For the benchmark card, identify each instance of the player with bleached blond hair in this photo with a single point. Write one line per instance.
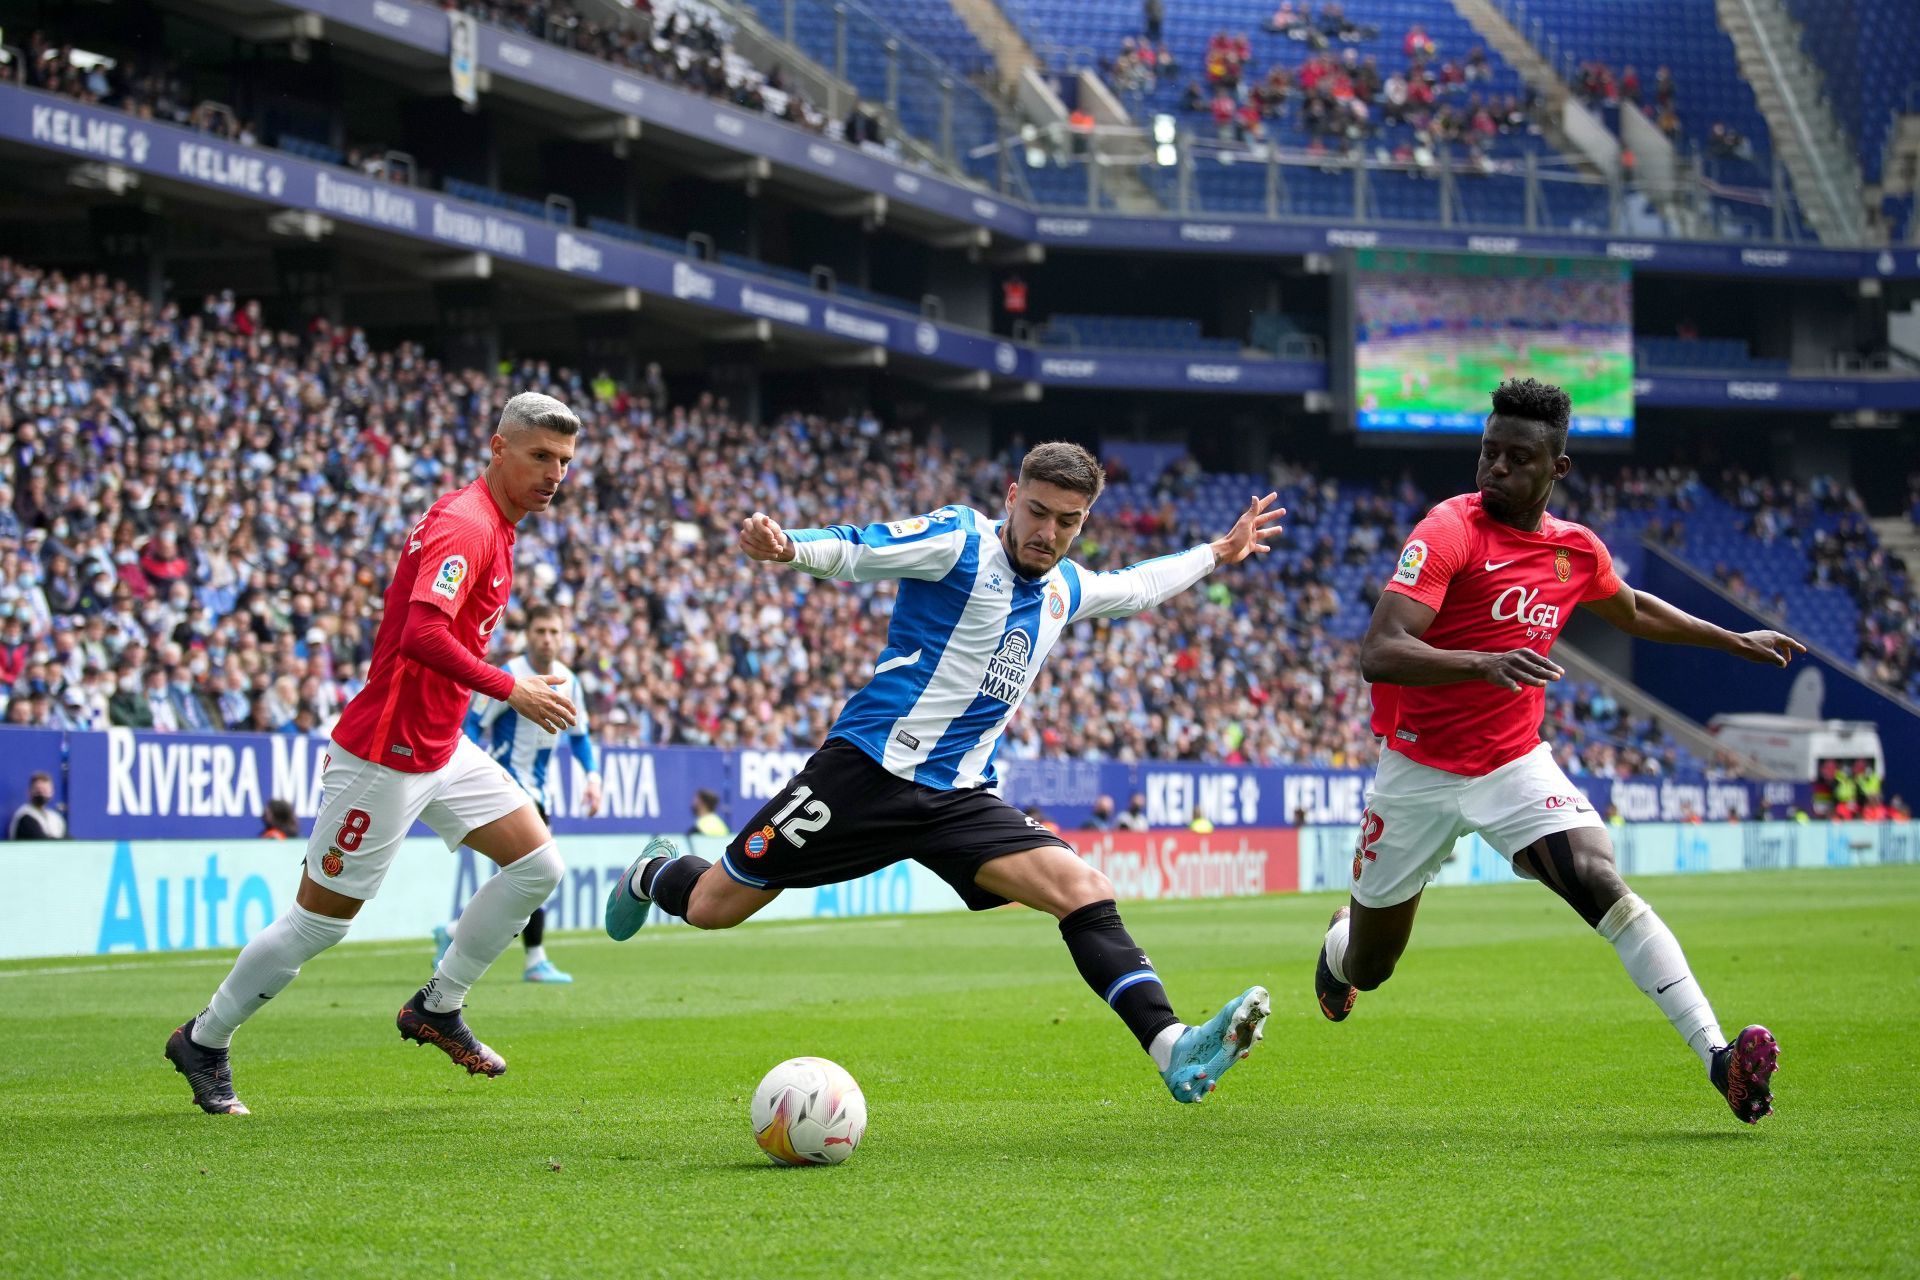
(398, 756)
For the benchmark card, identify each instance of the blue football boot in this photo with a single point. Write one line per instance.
(627, 910)
(1204, 1053)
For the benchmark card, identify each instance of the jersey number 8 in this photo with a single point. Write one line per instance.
(353, 828)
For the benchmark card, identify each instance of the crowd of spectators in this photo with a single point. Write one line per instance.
(1826, 520)
(1597, 85)
(150, 88)
(201, 512)
(683, 43)
(1341, 101)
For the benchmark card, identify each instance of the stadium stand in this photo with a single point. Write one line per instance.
(1406, 86)
(144, 585)
(685, 45)
(1806, 556)
(1707, 91)
(1864, 50)
(933, 91)
(1730, 354)
(1131, 332)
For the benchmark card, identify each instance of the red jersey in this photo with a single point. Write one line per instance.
(1494, 588)
(459, 559)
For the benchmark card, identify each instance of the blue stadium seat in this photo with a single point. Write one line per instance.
(1131, 333)
(1683, 35)
(1867, 50)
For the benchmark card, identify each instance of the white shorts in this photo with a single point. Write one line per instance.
(369, 809)
(1416, 812)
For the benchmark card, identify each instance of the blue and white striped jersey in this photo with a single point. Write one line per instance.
(968, 633)
(522, 747)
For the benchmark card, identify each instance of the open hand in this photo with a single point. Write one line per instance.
(763, 539)
(1257, 525)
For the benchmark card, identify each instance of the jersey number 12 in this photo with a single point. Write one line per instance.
(817, 816)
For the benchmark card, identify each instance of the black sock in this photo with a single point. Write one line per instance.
(536, 930)
(1117, 970)
(669, 881)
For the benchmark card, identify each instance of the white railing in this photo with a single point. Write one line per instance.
(1846, 212)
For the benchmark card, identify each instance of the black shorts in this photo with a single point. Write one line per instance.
(843, 816)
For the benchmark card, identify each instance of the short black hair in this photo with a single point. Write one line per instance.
(1067, 465)
(1537, 402)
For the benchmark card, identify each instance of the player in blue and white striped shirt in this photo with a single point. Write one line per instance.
(908, 768)
(525, 750)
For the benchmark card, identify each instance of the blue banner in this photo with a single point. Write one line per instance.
(126, 784)
(1250, 237)
(1156, 371)
(1826, 393)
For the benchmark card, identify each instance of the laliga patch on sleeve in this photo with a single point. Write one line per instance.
(907, 528)
(1411, 561)
(453, 571)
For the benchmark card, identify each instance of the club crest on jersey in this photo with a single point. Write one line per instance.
(1410, 562)
(453, 572)
(1357, 865)
(332, 863)
(1056, 605)
(907, 528)
(759, 842)
(1562, 564)
(1006, 673)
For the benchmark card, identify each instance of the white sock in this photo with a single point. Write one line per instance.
(1336, 945)
(639, 873)
(497, 913)
(1658, 967)
(269, 961)
(1161, 1050)
(536, 955)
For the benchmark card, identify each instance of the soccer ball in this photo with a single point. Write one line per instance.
(808, 1111)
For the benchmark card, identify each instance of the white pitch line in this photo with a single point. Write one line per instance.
(141, 963)
(132, 963)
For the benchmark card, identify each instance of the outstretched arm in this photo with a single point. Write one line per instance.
(1139, 587)
(1643, 614)
(925, 547)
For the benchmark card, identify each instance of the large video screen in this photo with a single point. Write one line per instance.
(1436, 332)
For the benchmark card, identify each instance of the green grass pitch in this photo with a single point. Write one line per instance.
(1460, 380)
(1507, 1106)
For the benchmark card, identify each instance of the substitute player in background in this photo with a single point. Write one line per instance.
(907, 769)
(398, 756)
(1457, 651)
(525, 750)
